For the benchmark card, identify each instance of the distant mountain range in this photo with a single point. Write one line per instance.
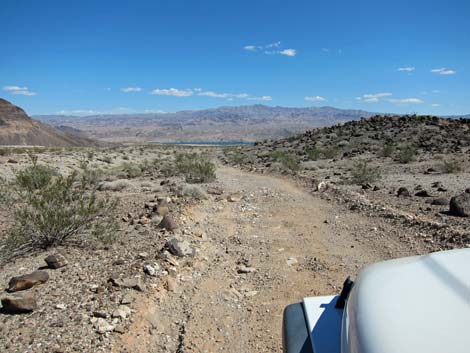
(230, 123)
(18, 129)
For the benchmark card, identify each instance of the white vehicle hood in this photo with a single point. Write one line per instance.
(411, 305)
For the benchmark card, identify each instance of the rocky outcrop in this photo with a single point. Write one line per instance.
(18, 129)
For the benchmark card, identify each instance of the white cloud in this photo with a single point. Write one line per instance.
(24, 91)
(232, 96)
(250, 47)
(315, 99)
(271, 49)
(373, 98)
(444, 71)
(288, 52)
(172, 92)
(262, 98)
(131, 89)
(407, 69)
(116, 110)
(213, 94)
(435, 105)
(406, 101)
(435, 91)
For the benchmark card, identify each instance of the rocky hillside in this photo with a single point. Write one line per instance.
(231, 123)
(17, 128)
(424, 133)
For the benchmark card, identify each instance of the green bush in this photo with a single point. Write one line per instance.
(195, 167)
(331, 152)
(362, 173)
(65, 208)
(314, 153)
(35, 177)
(322, 153)
(289, 161)
(387, 150)
(407, 154)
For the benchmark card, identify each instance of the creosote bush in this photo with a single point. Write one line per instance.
(195, 167)
(322, 153)
(362, 173)
(407, 154)
(66, 208)
(289, 161)
(387, 150)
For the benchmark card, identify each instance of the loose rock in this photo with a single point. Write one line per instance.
(460, 205)
(27, 281)
(19, 303)
(179, 247)
(55, 261)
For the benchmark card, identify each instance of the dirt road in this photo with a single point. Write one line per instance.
(292, 245)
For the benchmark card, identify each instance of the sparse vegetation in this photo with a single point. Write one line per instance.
(194, 192)
(51, 209)
(289, 161)
(195, 167)
(35, 177)
(387, 150)
(407, 154)
(322, 153)
(363, 173)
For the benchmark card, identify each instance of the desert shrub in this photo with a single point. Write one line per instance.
(130, 170)
(195, 167)
(451, 166)
(387, 150)
(331, 152)
(66, 208)
(5, 151)
(238, 158)
(289, 161)
(34, 177)
(407, 154)
(362, 173)
(323, 153)
(314, 153)
(194, 192)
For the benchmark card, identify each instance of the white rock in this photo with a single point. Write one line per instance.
(103, 326)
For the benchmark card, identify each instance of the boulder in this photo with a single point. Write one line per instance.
(403, 192)
(422, 193)
(460, 205)
(18, 303)
(27, 281)
(56, 261)
(180, 248)
(134, 283)
(440, 202)
(168, 223)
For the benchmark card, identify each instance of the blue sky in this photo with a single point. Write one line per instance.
(79, 57)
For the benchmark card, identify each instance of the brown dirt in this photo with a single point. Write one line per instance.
(216, 309)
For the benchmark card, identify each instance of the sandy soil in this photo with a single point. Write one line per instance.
(298, 244)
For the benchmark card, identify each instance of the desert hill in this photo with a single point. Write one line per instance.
(17, 128)
(426, 133)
